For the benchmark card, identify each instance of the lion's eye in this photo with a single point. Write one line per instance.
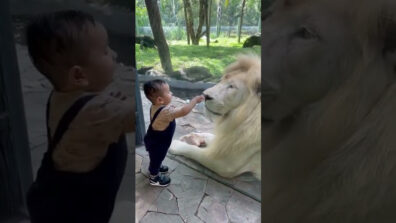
(305, 33)
(231, 86)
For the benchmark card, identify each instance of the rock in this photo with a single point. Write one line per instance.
(143, 70)
(249, 184)
(188, 186)
(166, 203)
(145, 42)
(145, 195)
(243, 209)
(211, 211)
(252, 41)
(196, 73)
(153, 72)
(218, 191)
(160, 217)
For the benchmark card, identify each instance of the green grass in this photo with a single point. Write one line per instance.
(215, 58)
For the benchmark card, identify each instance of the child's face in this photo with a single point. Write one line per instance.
(166, 95)
(100, 67)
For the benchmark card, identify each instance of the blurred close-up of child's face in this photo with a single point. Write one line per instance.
(100, 64)
(166, 94)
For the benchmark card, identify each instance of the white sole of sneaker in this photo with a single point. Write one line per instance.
(157, 184)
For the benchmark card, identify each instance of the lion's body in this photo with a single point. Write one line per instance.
(235, 147)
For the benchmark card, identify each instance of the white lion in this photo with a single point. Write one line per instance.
(329, 114)
(235, 106)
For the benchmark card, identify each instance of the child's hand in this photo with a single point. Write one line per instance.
(198, 98)
(118, 95)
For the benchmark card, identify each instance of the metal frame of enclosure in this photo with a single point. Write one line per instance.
(140, 127)
(15, 162)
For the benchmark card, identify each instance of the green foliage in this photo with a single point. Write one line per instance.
(230, 11)
(141, 15)
(215, 58)
(178, 33)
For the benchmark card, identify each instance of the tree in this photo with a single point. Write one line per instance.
(207, 13)
(231, 13)
(141, 16)
(241, 21)
(158, 33)
(218, 21)
(187, 21)
(195, 36)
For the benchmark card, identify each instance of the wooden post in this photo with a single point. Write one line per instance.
(15, 163)
(140, 127)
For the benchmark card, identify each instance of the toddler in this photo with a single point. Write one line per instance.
(162, 127)
(83, 167)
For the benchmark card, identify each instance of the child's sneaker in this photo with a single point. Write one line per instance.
(160, 180)
(163, 169)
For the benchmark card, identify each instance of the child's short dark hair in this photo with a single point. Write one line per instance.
(152, 88)
(54, 35)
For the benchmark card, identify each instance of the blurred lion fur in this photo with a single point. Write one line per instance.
(330, 154)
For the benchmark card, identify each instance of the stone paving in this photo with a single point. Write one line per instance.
(191, 197)
(35, 92)
(195, 194)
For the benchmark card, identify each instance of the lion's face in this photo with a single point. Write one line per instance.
(305, 51)
(240, 81)
(225, 96)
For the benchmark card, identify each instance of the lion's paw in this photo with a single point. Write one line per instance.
(176, 147)
(194, 139)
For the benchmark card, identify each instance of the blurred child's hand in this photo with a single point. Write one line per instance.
(118, 95)
(198, 98)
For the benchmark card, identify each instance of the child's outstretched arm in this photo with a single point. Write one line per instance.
(183, 111)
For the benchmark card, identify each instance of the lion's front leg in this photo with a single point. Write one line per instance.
(222, 167)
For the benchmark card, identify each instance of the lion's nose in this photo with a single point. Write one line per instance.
(207, 97)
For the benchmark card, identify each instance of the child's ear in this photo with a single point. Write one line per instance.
(160, 100)
(77, 77)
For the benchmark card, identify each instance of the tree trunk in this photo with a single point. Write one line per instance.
(231, 21)
(202, 13)
(259, 19)
(187, 24)
(174, 12)
(218, 21)
(241, 21)
(195, 36)
(210, 12)
(158, 33)
(259, 25)
(190, 22)
(207, 22)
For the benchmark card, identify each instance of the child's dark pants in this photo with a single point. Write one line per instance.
(157, 143)
(59, 196)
